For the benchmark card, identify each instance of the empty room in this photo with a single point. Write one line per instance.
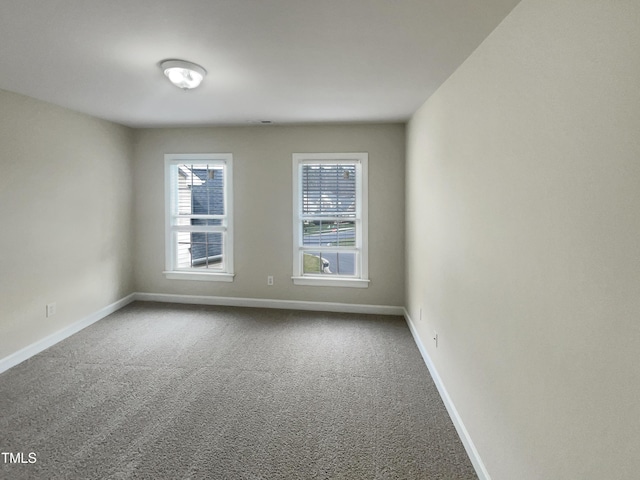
(337, 239)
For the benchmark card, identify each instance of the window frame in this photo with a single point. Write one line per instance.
(172, 160)
(361, 277)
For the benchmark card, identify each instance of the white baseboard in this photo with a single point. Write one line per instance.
(37, 347)
(269, 303)
(474, 456)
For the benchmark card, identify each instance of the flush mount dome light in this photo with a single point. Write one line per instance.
(183, 74)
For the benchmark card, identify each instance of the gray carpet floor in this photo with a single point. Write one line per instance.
(159, 391)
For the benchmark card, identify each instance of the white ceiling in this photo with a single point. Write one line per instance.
(288, 61)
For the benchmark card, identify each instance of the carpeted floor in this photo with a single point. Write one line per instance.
(158, 391)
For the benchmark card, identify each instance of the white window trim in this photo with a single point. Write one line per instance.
(361, 281)
(172, 159)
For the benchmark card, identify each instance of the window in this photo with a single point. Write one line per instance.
(199, 217)
(330, 219)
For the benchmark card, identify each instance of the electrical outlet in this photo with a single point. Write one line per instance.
(270, 280)
(51, 309)
(435, 338)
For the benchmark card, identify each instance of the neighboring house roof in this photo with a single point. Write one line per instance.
(189, 175)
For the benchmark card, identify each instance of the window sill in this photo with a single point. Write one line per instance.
(331, 282)
(200, 276)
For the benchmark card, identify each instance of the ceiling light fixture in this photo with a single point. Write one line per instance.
(183, 74)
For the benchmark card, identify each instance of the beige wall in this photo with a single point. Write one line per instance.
(65, 236)
(523, 240)
(263, 208)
